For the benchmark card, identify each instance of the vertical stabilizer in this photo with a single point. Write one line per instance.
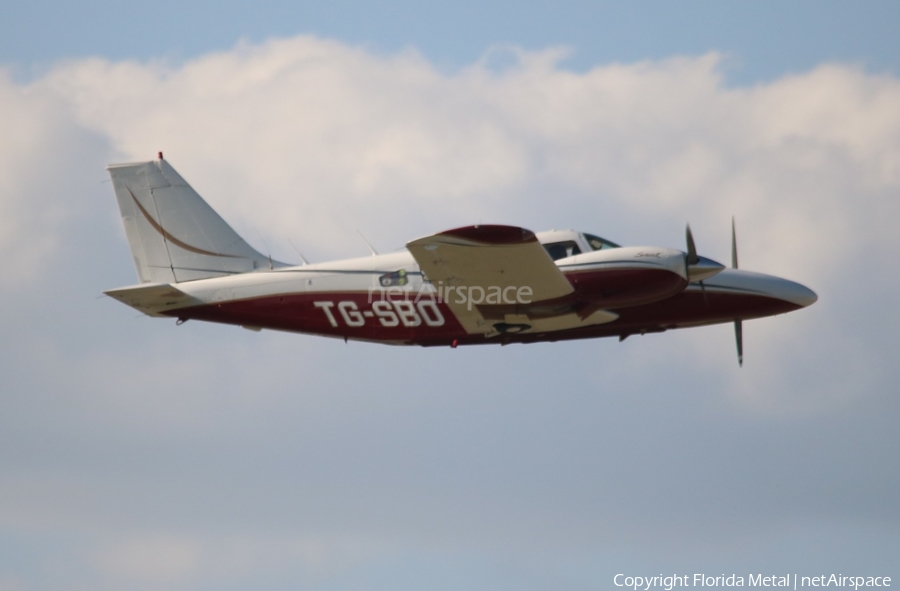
(174, 235)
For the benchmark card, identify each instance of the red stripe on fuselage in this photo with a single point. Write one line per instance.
(355, 315)
(299, 313)
(685, 310)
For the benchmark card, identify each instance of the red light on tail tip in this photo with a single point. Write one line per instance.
(160, 155)
(454, 344)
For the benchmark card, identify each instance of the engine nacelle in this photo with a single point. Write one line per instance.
(622, 277)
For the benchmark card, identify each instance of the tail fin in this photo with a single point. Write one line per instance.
(173, 234)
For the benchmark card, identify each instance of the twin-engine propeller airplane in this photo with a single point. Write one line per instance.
(473, 285)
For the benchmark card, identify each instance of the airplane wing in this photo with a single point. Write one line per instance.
(498, 259)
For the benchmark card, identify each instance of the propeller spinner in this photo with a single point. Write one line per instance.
(698, 268)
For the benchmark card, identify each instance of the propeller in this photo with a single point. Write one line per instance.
(698, 268)
(691, 258)
(734, 264)
(738, 325)
(692, 261)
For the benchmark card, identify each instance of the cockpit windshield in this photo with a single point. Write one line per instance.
(562, 244)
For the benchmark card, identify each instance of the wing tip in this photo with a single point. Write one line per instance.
(492, 234)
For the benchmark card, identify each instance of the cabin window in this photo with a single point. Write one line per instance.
(561, 250)
(598, 243)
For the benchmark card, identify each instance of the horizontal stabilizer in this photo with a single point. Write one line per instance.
(153, 299)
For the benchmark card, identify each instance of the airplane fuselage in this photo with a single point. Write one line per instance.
(472, 285)
(346, 299)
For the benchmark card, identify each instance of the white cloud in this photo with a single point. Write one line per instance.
(331, 137)
(305, 139)
(155, 558)
(168, 560)
(38, 130)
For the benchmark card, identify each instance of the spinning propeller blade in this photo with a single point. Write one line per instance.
(738, 327)
(734, 264)
(691, 258)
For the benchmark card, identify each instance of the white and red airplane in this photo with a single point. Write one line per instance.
(474, 285)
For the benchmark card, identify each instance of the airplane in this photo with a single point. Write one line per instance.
(480, 284)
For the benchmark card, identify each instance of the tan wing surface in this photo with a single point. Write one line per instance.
(488, 257)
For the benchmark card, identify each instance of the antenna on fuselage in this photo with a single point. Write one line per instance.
(265, 244)
(369, 244)
(299, 254)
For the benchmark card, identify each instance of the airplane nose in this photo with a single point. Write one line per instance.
(807, 297)
(770, 286)
(791, 291)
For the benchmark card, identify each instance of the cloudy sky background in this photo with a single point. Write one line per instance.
(137, 454)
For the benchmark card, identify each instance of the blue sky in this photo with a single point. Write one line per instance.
(766, 39)
(137, 454)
